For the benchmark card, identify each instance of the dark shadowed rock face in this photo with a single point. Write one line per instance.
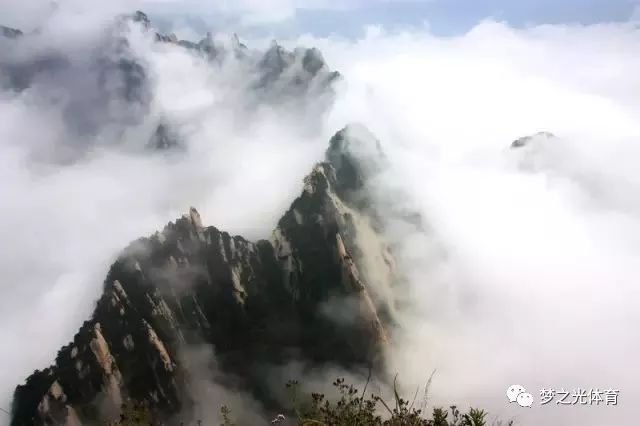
(355, 154)
(299, 295)
(527, 140)
(10, 32)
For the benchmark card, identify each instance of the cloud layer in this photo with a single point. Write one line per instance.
(528, 271)
(75, 195)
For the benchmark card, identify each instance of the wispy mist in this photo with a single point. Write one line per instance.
(526, 272)
(80, 182)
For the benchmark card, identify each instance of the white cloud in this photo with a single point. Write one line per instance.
(527, 276)
(65, 217)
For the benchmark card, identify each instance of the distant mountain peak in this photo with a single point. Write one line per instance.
(114, 74)
(527, 140)
(142, 18)
(10, 32)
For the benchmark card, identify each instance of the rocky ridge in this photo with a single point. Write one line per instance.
(528, 140)
(110, 85)
(301, 295)
(10, 32)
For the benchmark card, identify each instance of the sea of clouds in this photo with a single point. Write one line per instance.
(528, 273)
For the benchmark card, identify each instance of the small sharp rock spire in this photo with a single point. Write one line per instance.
(195, 218)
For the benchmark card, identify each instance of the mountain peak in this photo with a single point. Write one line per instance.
(141, 18)
(10, 32)
(527, 140)
(354, 153)
(304, 295)
(114, 73)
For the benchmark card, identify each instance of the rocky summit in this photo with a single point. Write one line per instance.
(304, 294)
(109, 86)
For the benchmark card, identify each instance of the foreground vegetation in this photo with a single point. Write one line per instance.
(351, 408)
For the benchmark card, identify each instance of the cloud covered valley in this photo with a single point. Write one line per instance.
(525, 269)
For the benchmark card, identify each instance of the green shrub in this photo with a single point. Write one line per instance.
(352, 408)
(133, 413)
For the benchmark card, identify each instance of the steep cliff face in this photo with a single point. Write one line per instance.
(303, 294)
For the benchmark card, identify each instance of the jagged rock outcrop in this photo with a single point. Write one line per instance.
(302, 295)
(105, 84)
(537, 152)
(10, 32)
(108, 87)
(527, 140)
(276, 70)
